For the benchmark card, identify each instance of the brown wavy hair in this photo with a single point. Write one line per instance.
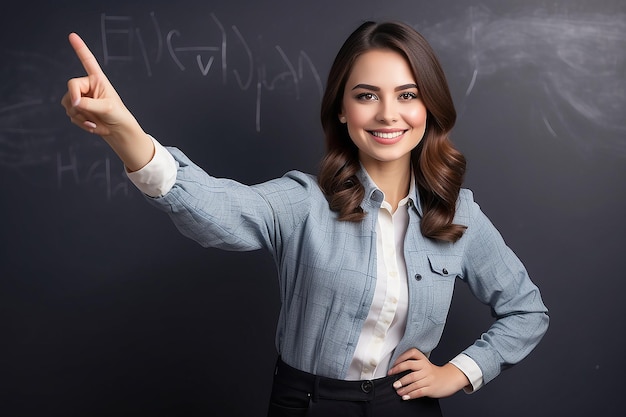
(439, 167)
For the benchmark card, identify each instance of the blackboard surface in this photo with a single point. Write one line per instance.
(106, 310)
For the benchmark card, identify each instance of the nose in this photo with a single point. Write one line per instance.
(387, 112)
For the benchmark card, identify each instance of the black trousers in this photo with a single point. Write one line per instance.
(298, 394)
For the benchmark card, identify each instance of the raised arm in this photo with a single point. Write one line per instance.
(92, 103)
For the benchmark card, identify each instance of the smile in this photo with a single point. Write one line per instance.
(387, 135)
(387, 138)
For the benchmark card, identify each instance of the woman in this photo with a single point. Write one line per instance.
(368, 252)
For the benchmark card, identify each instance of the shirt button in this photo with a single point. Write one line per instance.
(418, 277)
(367, 386)
(445, 271)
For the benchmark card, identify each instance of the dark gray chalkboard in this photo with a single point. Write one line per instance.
(106, 310)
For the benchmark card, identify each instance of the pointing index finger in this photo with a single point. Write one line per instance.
(89, 61)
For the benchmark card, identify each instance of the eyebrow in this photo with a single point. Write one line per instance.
(374, 88)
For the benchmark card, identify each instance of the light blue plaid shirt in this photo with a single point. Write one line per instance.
(327, 268)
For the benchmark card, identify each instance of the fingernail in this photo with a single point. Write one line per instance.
(89, 124)
(397, 384)
(406, 397)
(76, 102)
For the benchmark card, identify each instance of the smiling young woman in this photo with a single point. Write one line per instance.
(367, 252)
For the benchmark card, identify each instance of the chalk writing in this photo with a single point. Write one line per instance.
(34, 138)
(120, 36)
(96, 174)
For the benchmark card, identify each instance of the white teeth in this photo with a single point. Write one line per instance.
(387, 135)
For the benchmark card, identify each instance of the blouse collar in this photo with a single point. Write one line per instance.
(374, 196)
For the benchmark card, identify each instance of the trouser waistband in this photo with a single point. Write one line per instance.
(330, 388)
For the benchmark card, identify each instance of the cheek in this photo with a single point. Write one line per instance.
(416, 116)
(360, 116)
(357, 119)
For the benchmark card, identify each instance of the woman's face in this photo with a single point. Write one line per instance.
(382, 108)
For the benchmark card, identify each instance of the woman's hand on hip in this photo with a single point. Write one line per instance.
(426, 379)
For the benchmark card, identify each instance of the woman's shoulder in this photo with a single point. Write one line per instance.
(466, 196)
(470, 214)
(466, 199)
(466, 208)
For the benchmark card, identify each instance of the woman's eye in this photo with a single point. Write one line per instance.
(408, 96)
(366, 97)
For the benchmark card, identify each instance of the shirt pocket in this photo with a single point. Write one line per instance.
(444, 269)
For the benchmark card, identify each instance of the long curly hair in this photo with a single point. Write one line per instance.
(438, 166)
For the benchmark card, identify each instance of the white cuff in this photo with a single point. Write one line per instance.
(471, 370)
(158, 176)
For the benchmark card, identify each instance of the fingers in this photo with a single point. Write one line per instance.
(82, 86)
(419, 383)
(76, 116)
(413, 384)
(407, 361)
(411, 381)
(413, 391)
(412, 353)
(87, 59)
(76, 88)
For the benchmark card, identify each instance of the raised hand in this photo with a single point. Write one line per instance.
(92, 103)
(425, 378)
